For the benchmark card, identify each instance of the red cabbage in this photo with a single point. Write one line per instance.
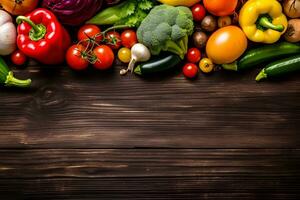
(73, 12)
(112, 2)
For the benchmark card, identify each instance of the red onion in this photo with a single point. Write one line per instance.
(73, 12)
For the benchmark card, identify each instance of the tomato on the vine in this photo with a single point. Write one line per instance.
(89, 31)
(105, 57)
(18, 57)
(190, 70)
(199, 12)
(75, 58)
(193, 55)
(128, 38)
(113, 40)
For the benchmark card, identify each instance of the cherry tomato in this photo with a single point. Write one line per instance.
(105, 57)
(124, 55)
(18, 57)
(199, 12)
(128, 38)
(206, 65)
(220, 7)
(89, 31)
(75, 58)
(190, 70)
(113, 40)
(193, 55)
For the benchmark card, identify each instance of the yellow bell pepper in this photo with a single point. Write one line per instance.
(187, 3)
(263, 20)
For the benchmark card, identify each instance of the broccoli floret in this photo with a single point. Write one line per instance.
(185, 23)
(177, 33)
(171, 17)
(186, 11)
(166, 28)
(152, 22)
(163, 32)
(147, 38)
(154, 40)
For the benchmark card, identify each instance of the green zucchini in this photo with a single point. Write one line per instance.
(280, 68)
(263, 54)
(7, 78)
(158, 64)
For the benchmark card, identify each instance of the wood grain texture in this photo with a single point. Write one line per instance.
(101, 136)
(93, 163)
(104, 110)
(150, 174)
(150, 188)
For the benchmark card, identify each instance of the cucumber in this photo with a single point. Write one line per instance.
(158, 64)
(263, 54)
(280, 68)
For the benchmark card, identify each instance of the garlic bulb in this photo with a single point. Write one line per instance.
(8, 34)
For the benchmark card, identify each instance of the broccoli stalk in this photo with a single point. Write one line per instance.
(179, 47)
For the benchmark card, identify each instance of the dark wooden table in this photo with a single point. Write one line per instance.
(101, 136)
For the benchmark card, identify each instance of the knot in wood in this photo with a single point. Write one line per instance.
(50, 97)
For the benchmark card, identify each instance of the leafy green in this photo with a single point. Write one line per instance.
(145, 5)
(128, 9)
(129, 13)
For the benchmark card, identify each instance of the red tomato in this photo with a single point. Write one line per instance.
(18, 57)
(105, 57)
(190, 70)
(193, 55)
(75, 58)
(128, 38)
(199, 12)
(220, 7)
(113, 40)
(89, 31)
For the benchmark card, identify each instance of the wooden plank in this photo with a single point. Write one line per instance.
(103, 110)
(151, 188)
(99, 163)
(150, 174)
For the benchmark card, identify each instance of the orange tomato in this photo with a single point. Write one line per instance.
(226, 45)
(220, 7)
(19, 7)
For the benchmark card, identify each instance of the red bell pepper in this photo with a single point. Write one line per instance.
(42, 37)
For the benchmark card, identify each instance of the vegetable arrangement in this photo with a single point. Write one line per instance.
(152, 36)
